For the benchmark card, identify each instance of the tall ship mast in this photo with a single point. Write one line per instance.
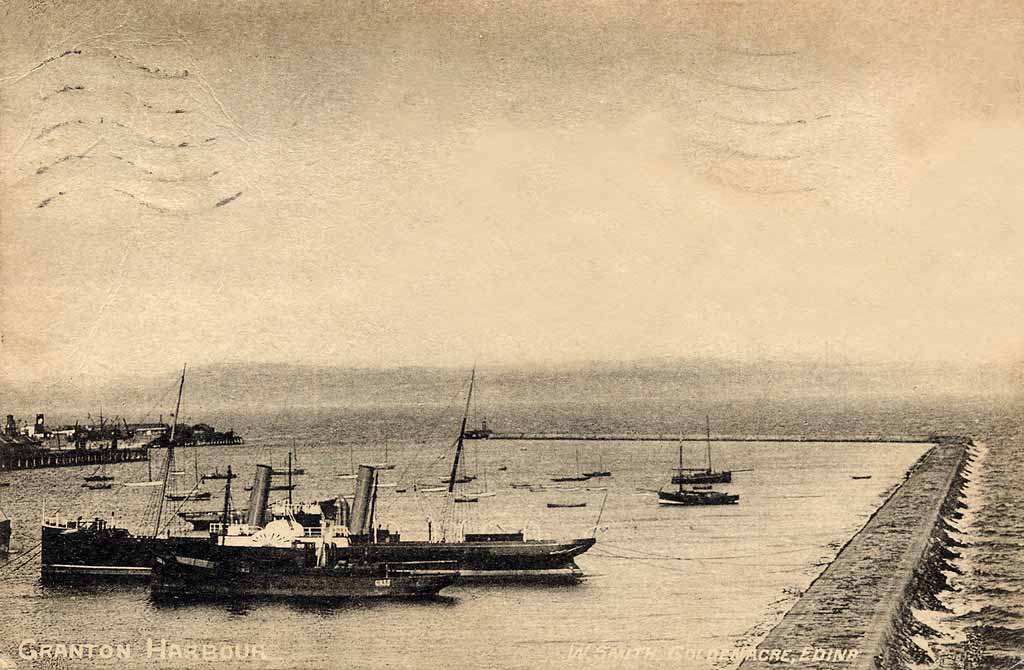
(705, 475)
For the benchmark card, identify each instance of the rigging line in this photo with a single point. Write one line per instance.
(434, 431)
(597, 524)
(173, 516)
(451, 405)
(390, 500)
(163, 396)
(711, 558)
(24, 559)
(27, 553)
(651, 563)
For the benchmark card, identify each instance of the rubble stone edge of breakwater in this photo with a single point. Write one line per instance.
(858, 613)
(929, 577)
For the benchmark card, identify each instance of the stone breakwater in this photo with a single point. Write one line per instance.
(858, 612)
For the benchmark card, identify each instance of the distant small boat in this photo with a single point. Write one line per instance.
(464, 479)
(98, 475)
(345, 475)
(579, 477)
(521, 485)
(432, 489)
(4, 485)
(557, 505)
(97, 486)
(135, 485)
(467, 499)
(600, 472)
(190, 495)
(481, 433)
(401, 490)
(502, 468)
(279, 487)
(860, 476)
(217, 474)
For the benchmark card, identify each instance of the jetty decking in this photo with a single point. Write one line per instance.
(850, 615)
(42, 458)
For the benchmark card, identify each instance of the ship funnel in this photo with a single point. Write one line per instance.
(363, 502)
(342, 513)
(259, 496)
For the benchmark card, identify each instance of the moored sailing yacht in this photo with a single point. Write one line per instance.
(600, 472)
(183, 495)
(578, 477)
(705, 475)
(149, 480)
(697, 494)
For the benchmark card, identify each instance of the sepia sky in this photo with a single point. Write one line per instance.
(399, 183)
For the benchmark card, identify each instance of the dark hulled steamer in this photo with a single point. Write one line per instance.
(85, 550)
(227, 566)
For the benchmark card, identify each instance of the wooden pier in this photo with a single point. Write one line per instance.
(34, 459)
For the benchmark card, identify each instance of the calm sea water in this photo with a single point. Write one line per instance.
(665, 585)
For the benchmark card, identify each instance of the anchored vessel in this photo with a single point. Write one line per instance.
(89, 549)
(98, 475)
(293, 572)
(481, 433)
(579, 476)
(600, 472)
(701, 475)
(699, 493)
(237, 562)
(696, 497)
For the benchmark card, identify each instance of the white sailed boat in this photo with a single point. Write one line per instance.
(145, 484)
